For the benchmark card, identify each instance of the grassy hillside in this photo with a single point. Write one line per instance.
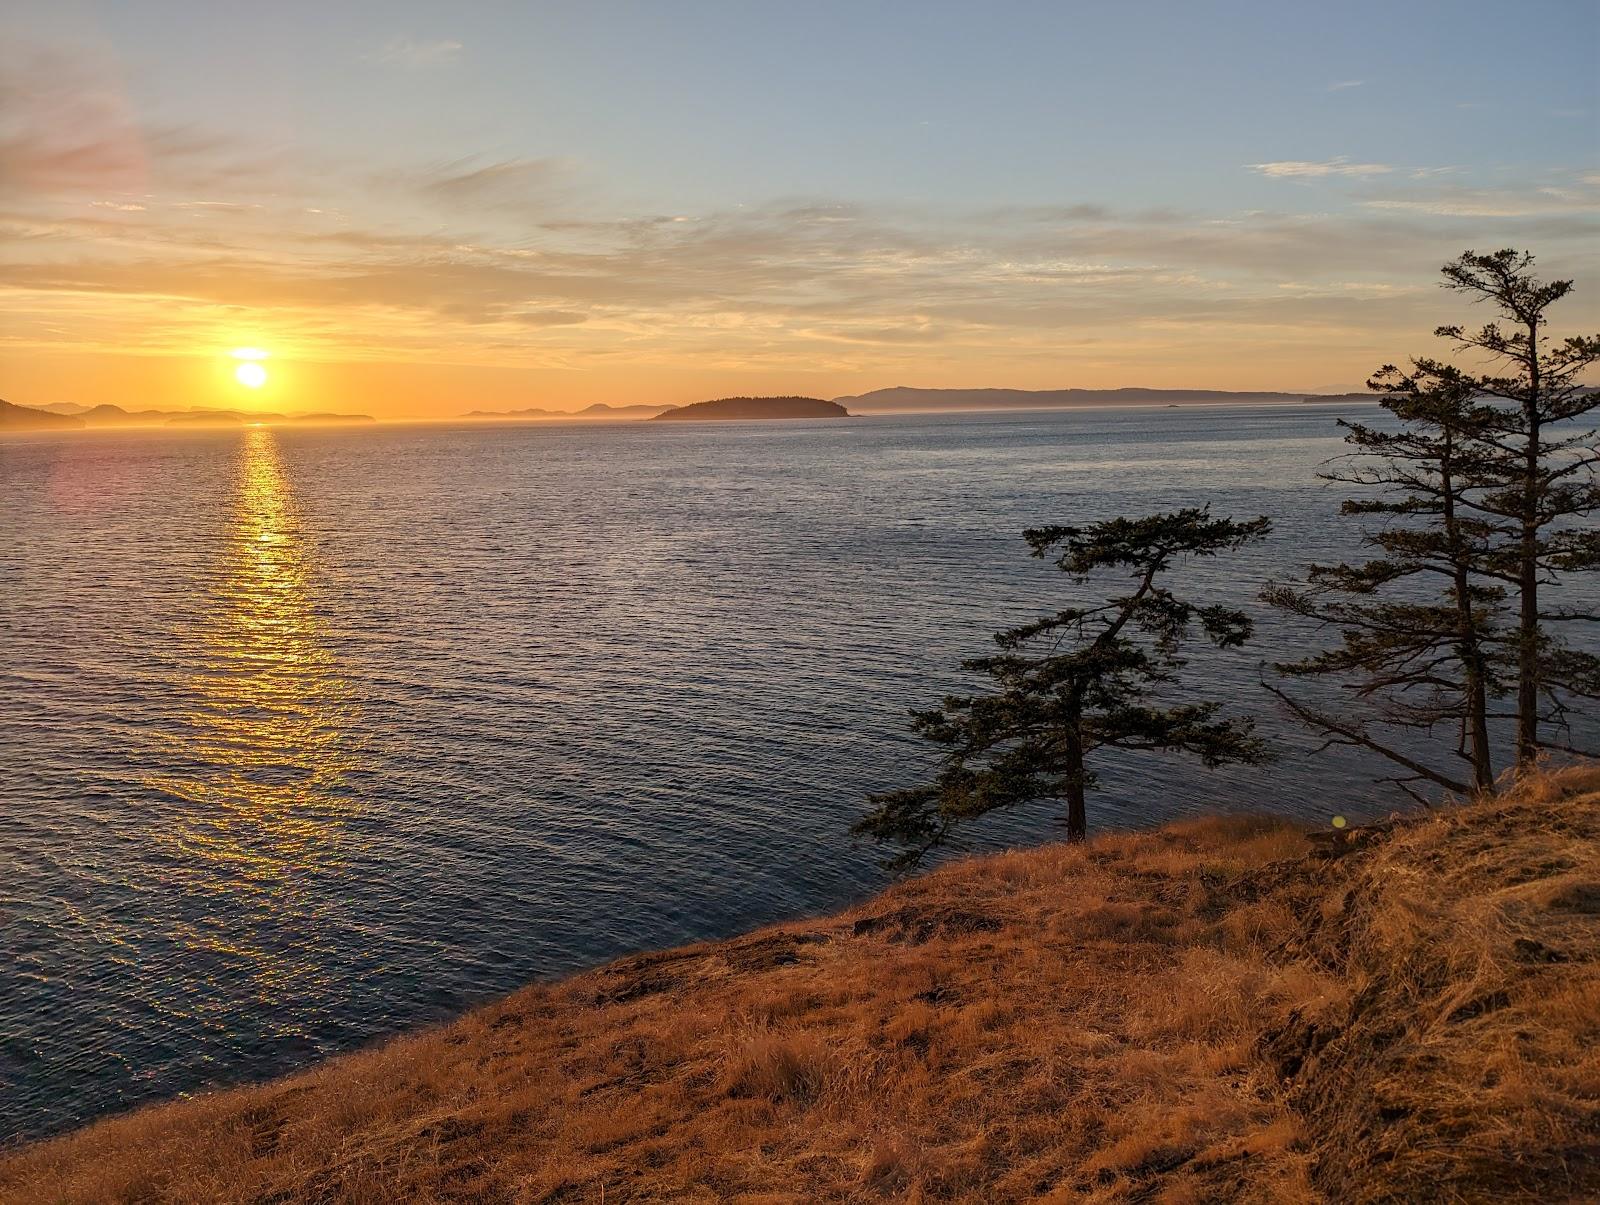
(1225, 1009)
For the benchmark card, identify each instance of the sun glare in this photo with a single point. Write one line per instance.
(250, 373)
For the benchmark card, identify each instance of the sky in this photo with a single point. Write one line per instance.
(421, 209)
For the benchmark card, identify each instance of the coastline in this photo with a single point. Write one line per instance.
(512, 421)
(1226, 1007)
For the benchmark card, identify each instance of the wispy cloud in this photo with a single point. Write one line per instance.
(1302, 169)
(1343, 84)
(787, 285)
(500, 181)
(1573, 193)
(1491, 203)
(409, 52)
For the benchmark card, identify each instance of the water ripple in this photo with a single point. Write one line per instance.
(309, 736)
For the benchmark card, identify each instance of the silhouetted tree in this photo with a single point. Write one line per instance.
(1544, 480)
(1422, 637)
(1073, 683)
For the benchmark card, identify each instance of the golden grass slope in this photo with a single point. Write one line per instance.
(1221, 1010)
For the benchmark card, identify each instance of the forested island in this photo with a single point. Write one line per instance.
(729, 408)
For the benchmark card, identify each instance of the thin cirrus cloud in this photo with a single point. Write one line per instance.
(415, 53)
(799, 271)
(1303, 169)
(1578, 198)
(1345, 84)
(504, 183)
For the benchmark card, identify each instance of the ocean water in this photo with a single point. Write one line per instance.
(309, 736)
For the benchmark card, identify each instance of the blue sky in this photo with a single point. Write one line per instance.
(886, 173)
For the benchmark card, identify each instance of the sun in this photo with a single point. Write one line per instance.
(250, 372)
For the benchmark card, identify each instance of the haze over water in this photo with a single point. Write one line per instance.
(313, 735)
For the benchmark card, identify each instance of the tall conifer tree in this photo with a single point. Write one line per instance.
(1422, 637)
(1543, 464)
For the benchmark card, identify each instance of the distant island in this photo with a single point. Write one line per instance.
(903, 397)
(599, 410)
(65, 415)
(732, 408)
(900, 399)
(204, 418)
(26, 418)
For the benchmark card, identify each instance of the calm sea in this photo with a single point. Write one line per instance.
(309, 736)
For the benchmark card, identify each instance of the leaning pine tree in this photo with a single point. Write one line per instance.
(1078, 682)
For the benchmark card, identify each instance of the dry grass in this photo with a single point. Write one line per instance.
(1204, 1012)
(1466, 1063)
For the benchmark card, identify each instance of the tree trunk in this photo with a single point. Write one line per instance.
(1475, 695)
(1477, 720)
(1528, 585)
(1077, 816)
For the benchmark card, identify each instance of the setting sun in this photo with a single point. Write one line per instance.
(250, 372)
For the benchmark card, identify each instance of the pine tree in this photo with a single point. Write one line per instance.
(1078, 682)
(1543, 467)
(1423, 642)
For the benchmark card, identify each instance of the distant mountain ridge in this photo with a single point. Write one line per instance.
(200, 418)
(26, 418)
(736, 408)
(64, 415)
(599, 410)
(905, 397)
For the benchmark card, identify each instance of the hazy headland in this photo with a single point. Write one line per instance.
(599, 412)
(902, 397)
(71, 416)
(26, 418)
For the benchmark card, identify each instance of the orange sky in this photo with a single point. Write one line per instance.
(484, 219)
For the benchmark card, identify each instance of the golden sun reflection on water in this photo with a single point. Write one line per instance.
(270, 742)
